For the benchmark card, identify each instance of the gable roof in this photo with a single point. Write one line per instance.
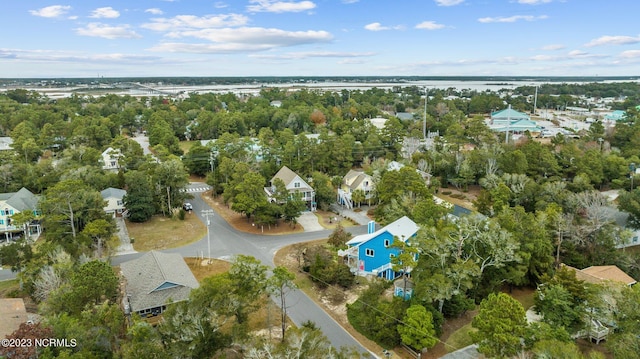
(403, 228)
(599, 274)
(22, 200)
(285, 174)
(612, 273)
(354, 178)
(156, 279)
(113, 193)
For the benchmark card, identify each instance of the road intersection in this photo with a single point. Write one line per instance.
(224, 242)
(227, 242)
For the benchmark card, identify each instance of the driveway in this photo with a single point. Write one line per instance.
(125, 246)
(309, 222)
(226, 242)
(360, 216)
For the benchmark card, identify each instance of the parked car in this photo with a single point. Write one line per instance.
(187, 206)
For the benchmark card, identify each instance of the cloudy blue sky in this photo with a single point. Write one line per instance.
(113, 38)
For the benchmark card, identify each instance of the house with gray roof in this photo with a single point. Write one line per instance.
(405, 116)
(114, 198)
(13, 203)
(154, 281)
(295, 185)
(355, 180)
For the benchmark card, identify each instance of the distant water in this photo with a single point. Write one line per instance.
(254, 86)
(474, 85)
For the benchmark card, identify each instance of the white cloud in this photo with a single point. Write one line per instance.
(65, 56)
(52, 11)
(553, 47)
(180, 47)
(613, 40)
(104, 12)
(280, 6)
(512, 18)
(154, 11)
(349, 1)
(312, 54)
(182, 22)
(257, 36)
(376, 26)
(242, 40)
(429, 25)
(448, 2)
(534, 2)
(220, 5)
(569, 56)
(107, 31)
(630, 54)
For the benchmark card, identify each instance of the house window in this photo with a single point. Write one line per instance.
(120, 203)
(387, 243)
(1, 221)
(296, 184)
(635, 239)
(369, 252)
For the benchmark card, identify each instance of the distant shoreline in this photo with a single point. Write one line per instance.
(174, 86)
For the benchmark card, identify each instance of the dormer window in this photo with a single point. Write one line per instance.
(296, 184)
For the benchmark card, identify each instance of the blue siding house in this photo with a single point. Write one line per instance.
(371, 253)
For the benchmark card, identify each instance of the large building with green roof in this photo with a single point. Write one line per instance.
(514, 122)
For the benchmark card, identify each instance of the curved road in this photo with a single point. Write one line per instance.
(226, 242)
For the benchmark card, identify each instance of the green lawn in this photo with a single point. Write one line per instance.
(8, 286)
(185, 146)
(459, 339)
(162, 232)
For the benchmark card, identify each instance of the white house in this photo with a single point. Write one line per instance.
(12, 204)
(378, 122)
(110, 159)
(114, 198)
(6, 143)
(295, 185)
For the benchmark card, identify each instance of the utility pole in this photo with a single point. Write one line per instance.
(506, 138)
(424, 124)
(535, 101)
(206, 213)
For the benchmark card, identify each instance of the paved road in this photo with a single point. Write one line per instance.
(225, 242)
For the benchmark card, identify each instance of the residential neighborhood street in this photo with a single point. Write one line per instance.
(225, 242)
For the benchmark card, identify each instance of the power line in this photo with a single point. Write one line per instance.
(400, 321)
